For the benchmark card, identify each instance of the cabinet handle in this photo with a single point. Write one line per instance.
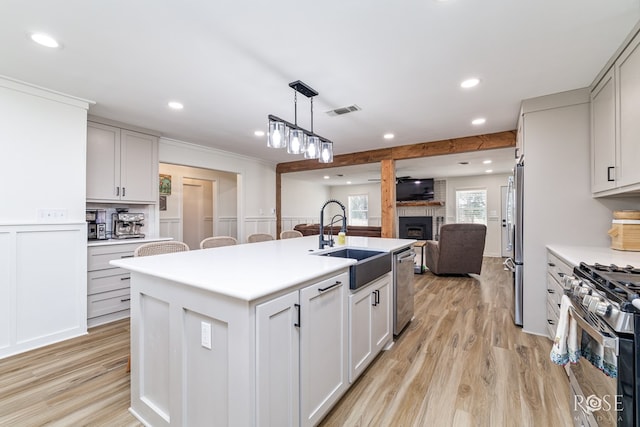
(561, 274)
(338, 283)
(125, 278)
(609, 169)
(123, 191)
(125, 299)
(551, 322)
(375, 298)
(117, 191)
(297, 325)
(126, 256)
(551, 291)
(550, 264)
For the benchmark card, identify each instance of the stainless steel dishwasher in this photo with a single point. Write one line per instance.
(402, 288)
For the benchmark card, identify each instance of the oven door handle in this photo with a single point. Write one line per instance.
(605, 341)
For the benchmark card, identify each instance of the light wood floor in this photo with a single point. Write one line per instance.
(461, 362)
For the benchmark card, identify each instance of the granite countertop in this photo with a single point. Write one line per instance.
(253, 270)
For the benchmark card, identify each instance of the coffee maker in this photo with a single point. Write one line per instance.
(126, 225)
(96, 224)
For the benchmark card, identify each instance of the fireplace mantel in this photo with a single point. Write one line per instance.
(420, 203)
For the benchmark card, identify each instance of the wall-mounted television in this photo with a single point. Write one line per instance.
(410, 189)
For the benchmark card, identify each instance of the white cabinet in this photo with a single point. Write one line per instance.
(122, 165)
(370, 323)
(556, 270)
(603, 134)
(301, 353)
(615, 125)
(278, 361)
(107, 286)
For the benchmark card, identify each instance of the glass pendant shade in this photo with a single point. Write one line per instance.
(326, 152)
(313, 148)
(297, 141)
(277, 137)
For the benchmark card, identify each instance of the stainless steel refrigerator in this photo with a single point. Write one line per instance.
(515, 215)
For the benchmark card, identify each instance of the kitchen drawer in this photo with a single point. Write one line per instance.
(554, 290)
(99, 256)
(107, 280)
(557, 267)
(108, 302)
(552, 320)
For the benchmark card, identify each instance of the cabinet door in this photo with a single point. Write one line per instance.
(139, 167)
(381, 317)
(360, 331)
(103, 162)
(603, 134)
(628, 78)
(277, 362)
(323, 347)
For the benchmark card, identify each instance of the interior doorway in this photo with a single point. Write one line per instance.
(197, 209)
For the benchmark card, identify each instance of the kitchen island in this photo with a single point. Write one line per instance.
(252, 334)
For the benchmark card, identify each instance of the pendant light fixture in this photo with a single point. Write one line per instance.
(296, 139)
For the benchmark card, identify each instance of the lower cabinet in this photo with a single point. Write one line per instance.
(556, 270)
(301, 353)
(108, 296)
(370, 323)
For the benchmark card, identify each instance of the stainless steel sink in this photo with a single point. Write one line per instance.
(370, 265)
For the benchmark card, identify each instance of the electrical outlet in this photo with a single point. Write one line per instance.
(205, 335)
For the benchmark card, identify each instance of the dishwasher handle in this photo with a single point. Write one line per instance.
(406, 255)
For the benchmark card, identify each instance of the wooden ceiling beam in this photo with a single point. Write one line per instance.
(490, 141)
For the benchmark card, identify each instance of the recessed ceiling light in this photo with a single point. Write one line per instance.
(259, 133)
(478, 121)
(469, 83)
(389, 136)
(486, 162)
(489, 170)
(44, 40)
(175, 105)
(326, 177)
(348, 182)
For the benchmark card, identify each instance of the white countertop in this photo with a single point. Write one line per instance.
(253, 270)
(126, 241)
(592, 254)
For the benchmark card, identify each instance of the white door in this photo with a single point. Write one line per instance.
(323, 347)
(192, 215)
(506, 211)
(277, 362)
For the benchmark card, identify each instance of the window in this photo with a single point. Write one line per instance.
(471, 206)
(359, 210)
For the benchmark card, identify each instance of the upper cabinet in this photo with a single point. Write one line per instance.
(122, 165)
(615, 126)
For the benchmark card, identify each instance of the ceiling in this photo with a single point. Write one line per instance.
(230, 62)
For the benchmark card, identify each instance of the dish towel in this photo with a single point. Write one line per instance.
(565, 345)
(602, 358)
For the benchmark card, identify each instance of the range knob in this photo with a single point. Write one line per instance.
(570, 282)
(581, 291)
(596, 305)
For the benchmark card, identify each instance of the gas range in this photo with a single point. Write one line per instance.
(608, 292)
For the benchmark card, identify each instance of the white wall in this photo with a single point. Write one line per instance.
(301, 201)
(255, 181)
(492, 184)
(43, 257)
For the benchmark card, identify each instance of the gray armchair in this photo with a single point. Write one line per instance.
(459, 250)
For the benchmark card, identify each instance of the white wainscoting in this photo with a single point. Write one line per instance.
(288, 222)
(260, 224)
(171, 227)
(43, 285)
(227, 226)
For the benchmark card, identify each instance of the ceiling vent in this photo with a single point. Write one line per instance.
(344, 110)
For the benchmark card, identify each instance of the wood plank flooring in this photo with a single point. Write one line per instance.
(461, 362)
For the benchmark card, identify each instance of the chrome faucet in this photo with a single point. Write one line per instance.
(329, 241)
